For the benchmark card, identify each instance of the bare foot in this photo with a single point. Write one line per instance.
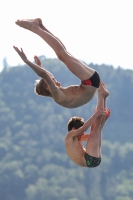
(40, 23)
(102, 90)
(28, 24)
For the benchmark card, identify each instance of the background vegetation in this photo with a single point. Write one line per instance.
(33, 161)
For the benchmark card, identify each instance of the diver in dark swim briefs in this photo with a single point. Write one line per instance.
(72, 96)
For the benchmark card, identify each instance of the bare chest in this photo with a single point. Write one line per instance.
(75, 151)
(75, 96)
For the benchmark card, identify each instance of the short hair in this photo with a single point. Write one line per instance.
(40, 88)
(75, 122)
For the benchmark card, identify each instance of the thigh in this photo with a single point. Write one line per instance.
(92, 146)
(77, 67)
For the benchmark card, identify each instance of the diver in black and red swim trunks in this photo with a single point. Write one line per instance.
(72, 96)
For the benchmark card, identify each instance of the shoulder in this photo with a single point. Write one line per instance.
(70, 134)
(58, 94)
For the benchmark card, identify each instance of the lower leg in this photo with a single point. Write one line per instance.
(102, 95)
(102, 102)
(102, 124)
(93, 146)
(33, 26)
(78, 68)
(44, 28)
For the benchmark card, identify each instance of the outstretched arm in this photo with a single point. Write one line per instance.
(38, 62)
(36, 68)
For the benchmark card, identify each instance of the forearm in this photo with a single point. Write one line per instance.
(37, 69)
(86, 125)
(89, 122)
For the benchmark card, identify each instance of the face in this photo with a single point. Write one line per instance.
(43, 88)
(52, 77)
(43, 83)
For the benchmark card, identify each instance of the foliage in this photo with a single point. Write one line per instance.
(33, 161)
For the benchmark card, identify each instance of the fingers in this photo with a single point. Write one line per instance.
(37, 60)
(102, 111)
(16, 49)
(101, 108)
(106, 112)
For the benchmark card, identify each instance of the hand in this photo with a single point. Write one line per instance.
(21, 54)
(37, 61)
(100, 112)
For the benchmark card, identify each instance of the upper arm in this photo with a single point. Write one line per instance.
(74, 133)
(51, 85)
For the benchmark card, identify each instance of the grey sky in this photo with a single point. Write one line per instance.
(98, 31)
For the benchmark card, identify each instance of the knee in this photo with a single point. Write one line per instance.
(61, 54)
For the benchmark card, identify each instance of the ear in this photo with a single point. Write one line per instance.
(47, 88)
(73, 128)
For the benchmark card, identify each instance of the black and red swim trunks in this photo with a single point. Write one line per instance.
(93, 81)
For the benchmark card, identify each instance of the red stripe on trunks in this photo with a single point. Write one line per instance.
(87, 82)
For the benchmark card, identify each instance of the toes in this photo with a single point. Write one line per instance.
(18, 22)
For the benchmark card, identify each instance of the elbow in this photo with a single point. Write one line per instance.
(85, 128)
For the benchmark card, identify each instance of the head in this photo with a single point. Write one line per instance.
(75, 123)
(41, 88)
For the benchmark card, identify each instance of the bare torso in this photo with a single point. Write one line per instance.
(75, 95)
(75, 151)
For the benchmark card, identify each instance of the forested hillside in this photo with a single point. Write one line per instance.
(33, 161)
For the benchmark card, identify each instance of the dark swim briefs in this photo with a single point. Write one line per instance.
(92, 161)
(93, 81)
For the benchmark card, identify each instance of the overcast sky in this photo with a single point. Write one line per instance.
(97, 31)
